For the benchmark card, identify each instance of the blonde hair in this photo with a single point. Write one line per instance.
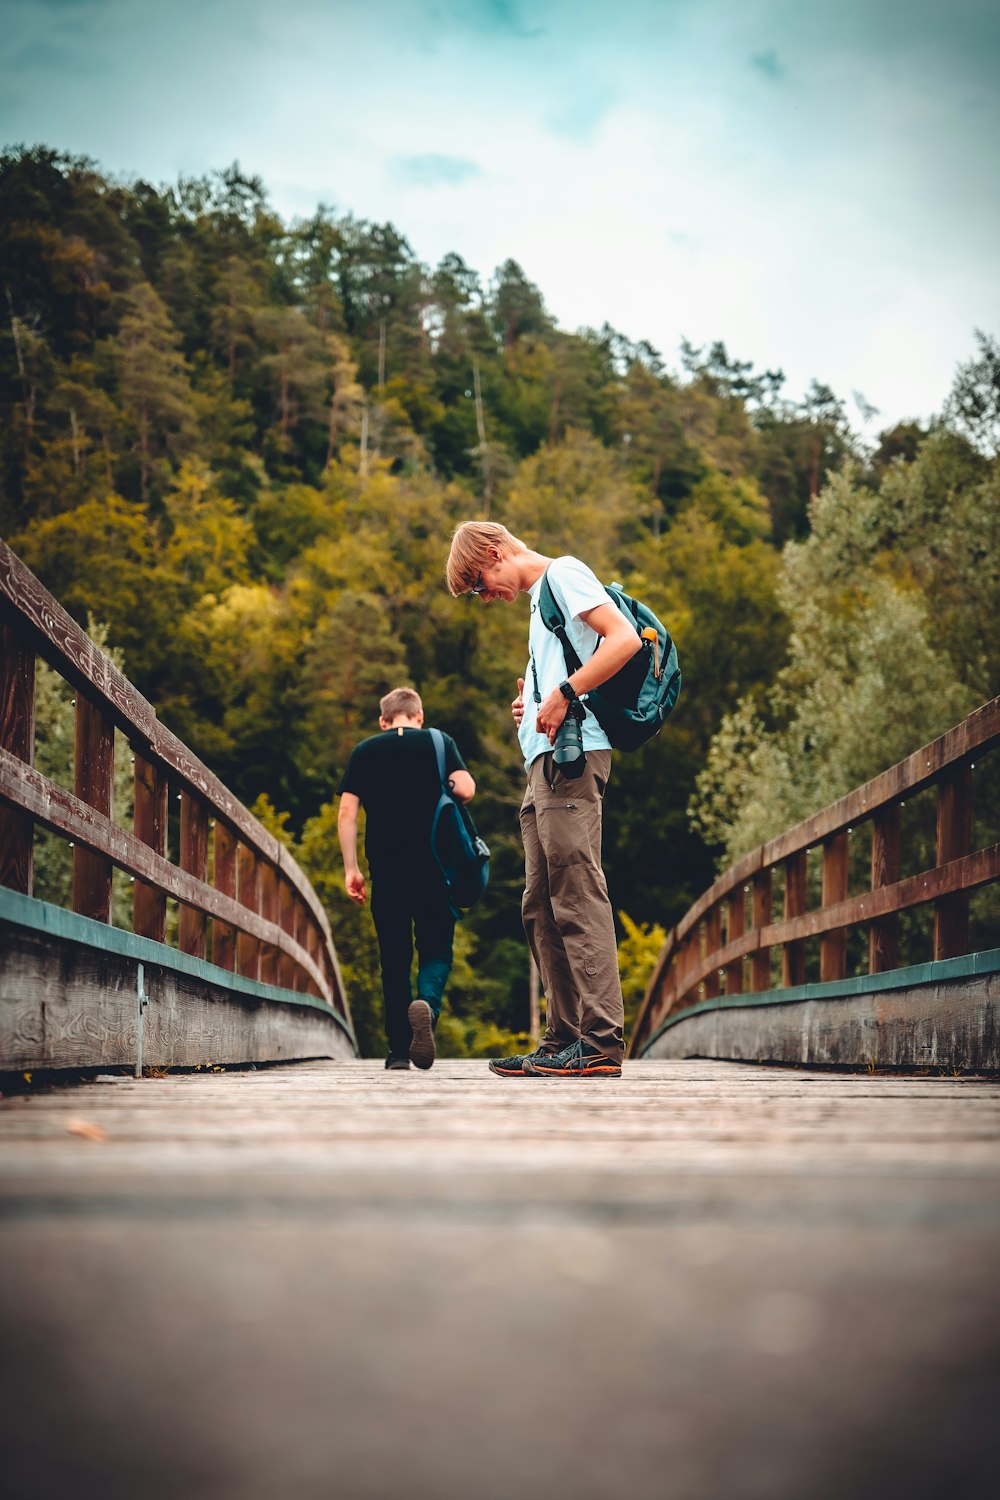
(401, 703)
(470, 552)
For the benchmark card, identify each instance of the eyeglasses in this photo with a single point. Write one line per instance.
(478, 587)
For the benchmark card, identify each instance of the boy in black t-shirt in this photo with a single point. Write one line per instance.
(394, 777)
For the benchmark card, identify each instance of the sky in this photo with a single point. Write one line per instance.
(814, 182)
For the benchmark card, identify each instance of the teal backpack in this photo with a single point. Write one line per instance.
(632, 705)
(462, 856)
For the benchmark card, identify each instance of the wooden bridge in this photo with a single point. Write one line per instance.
(702, 1280)
(710, 1278)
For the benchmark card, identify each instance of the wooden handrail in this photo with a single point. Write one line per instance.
(54, 635)
(703, 954)
(298, 948)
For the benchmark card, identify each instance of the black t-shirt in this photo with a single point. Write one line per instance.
(395, 776)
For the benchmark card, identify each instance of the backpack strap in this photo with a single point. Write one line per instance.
(553, 619)
(437, 739)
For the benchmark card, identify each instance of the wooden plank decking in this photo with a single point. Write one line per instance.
(705, 1281)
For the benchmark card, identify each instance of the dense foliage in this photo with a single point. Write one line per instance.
(242, 446)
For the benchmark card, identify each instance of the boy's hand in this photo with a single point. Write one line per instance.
(355, 882)
(551, 712)
(517, 707)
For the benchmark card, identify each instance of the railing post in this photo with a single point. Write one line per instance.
(314, 947)
(833, 945)
(149, 910)
(17, 734)
(667, 997)
(883, 934)
(760, 959)
(286, 921)
(736, 921)
(954, 835)
(194, 860)
(223, 935)
(93, 770)
(793, 958)
(687, 962)
(299, 934)
(247, 946)
(269, 910)
(713, 942)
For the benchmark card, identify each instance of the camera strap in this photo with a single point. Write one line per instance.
(534, 675)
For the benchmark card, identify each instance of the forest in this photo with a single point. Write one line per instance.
(236, 448)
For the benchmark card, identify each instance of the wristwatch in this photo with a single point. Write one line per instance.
(567, 691)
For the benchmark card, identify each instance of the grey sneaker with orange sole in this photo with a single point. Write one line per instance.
(513, 1067)
(578, 1060)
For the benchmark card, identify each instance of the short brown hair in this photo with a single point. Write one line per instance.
(470, 551)
(402, 702)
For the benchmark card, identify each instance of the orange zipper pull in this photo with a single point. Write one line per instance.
(649, 634)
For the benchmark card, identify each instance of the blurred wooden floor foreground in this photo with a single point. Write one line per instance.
(703, 1280)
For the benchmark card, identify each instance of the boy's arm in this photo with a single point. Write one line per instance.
(347, 830)
(619, 643)
(461, 786)
(456, 778)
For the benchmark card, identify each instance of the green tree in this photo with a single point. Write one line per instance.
(206, 540)
(299, 367)
(938, 523)
(652, 438)
(515, 305)
(638, 950)
(98, 557)
(864, 684)
(313, 250)
(239, 299)
(576, 497)
(154, 390)
(352, 659)
(718, 598)
(973, 407)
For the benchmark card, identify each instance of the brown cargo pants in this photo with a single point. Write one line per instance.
(565, 908)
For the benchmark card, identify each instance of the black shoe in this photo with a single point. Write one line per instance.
(513, 1067)
(421, 1019)
(396, 1064)
(578, 1060)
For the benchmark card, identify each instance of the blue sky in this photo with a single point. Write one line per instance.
(813, 182)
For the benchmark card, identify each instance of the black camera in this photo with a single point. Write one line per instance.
(567, 748)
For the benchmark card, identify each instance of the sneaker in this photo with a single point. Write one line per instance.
(396, 1063)
(578, 1060)
(513, 1067)
(421, 1019)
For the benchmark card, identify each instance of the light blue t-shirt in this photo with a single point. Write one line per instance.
(576, 590)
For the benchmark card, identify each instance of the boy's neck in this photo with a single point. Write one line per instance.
(531, 566)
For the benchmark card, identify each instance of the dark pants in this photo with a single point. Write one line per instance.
(411, 903)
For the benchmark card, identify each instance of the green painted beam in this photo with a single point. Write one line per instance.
(938, 971)
(57, 922)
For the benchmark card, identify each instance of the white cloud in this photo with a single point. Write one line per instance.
(828, 208)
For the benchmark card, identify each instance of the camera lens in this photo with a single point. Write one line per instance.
(567, 749)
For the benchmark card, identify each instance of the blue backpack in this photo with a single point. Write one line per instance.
(633, 704)
(462, 855)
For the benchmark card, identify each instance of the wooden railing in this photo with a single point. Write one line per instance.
(722, 948)
(259, 917)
